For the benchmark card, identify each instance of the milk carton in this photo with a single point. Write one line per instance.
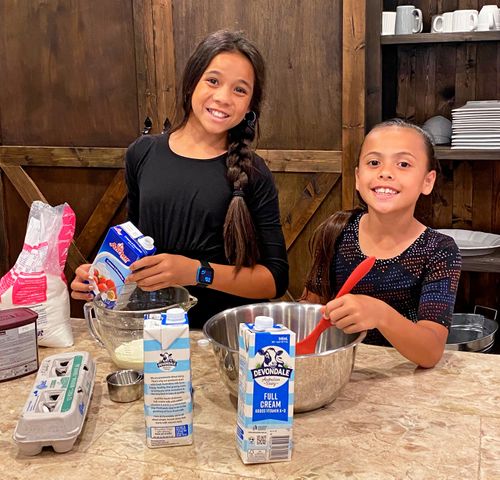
(265, 393)
(168, 406)
(123, 245)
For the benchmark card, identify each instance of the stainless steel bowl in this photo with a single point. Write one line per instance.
(471, 332)
(319, 377)
(125, 385)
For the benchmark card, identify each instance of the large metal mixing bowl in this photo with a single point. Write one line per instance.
(319, 378)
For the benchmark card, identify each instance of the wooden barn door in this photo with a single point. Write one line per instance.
(80, 77)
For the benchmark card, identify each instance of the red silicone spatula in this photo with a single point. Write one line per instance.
(308, 344)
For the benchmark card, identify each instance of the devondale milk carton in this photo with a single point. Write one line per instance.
(265, 393)
(123, 245)
(168, 406)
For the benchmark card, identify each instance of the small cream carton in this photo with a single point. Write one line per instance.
(265, 391)
(122, 246)
(168, 405)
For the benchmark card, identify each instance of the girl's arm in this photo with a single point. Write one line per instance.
(422, 342)
(163, 270)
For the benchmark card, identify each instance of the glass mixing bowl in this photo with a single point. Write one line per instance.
(120, 330)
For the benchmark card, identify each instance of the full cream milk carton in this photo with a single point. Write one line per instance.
(265, 392)
(168, 405)
(123, 245)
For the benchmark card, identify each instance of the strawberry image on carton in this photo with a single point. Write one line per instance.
(123, 245)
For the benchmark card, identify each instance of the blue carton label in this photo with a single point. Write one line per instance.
(265, 393)
(182, 431)
(123, 245)
(271, 371)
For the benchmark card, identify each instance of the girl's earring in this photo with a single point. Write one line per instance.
(251, 119)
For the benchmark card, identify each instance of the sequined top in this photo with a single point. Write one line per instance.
(421, 283)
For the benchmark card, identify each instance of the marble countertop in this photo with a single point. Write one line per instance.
(392, 421)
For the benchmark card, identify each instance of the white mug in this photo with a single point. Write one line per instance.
(388, 23)
(496, 16)
(442, 23)
(465, 20)
(488, 18)
(408, 20)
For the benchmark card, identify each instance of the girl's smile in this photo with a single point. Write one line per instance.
(218, 114)
(393, 170)
(223, 94)
(384, 192)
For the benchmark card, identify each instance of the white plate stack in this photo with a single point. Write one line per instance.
(476, 125)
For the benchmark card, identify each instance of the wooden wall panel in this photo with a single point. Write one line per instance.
(155, 61)
(300, 41)
(87, 73)
(291, 191)
(68, 73)
(353, 94)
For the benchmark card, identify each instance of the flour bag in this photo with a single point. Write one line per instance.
(37, 279)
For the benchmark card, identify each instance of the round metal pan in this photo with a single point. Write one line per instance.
(471, 332)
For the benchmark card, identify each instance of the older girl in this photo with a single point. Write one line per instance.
(206, 198)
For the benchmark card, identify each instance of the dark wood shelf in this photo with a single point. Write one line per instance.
(492, 36)
(446, 153)
(482, 263)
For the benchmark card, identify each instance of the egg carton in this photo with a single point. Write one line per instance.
(57, 405)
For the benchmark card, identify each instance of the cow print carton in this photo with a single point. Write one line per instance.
(168, 404)
(265, 392)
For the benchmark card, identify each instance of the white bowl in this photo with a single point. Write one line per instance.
(440, 129)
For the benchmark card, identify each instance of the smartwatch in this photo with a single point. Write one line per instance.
(205, 274)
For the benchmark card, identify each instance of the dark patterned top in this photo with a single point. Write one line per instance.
(420, 283)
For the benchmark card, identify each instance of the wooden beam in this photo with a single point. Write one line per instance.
(329, 161)
(102, 214)
(24, 185)
(353, 93)
(164, 48)
(155, 61)
(373, 105)
(4, 239)
(312, 197)
(29, 192)
(93, 157)
(144, 63)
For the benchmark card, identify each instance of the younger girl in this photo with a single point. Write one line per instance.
(206, 198)
(407, 299)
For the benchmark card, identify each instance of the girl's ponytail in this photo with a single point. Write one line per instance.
(322, 245)
(240, 240)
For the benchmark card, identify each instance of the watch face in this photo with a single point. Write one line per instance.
(205, 275)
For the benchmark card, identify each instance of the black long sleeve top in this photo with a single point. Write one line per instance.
(182, 202)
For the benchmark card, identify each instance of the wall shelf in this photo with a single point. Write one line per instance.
(446, 153)
(492, 36)
(482, 263)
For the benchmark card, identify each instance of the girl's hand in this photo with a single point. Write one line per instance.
(163, 270)
(355, 313)
(80, 289)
